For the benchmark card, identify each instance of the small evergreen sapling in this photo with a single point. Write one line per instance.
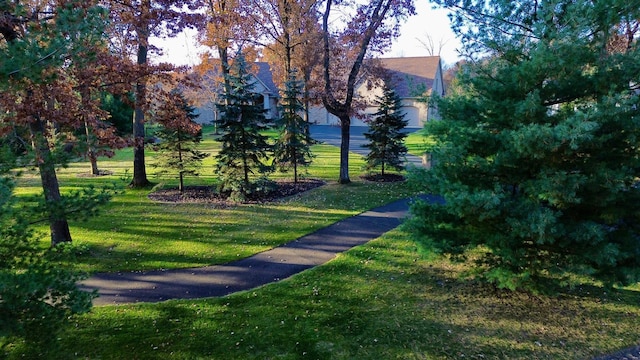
(293, 146)
(179, 136)
(386, 139)
(245, 149)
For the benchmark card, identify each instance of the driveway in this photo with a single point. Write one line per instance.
(330, 134)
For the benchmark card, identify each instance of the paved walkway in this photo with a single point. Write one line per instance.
(263, 268)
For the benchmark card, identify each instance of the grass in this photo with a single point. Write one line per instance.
(417, 143)
(135, 233)
(377, 301)
(382, 300)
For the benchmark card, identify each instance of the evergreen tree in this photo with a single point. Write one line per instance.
(244, 149)
(37, 296)
(293, 146)
(386, 139)
(179, 136)
(120, 111)
(537, 153)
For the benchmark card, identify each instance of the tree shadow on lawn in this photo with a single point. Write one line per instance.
(375, 301)
(176, 240)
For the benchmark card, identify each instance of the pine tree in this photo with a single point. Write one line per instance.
(244, 149)
(179, 137)
(537, 153)
(386, 139)
(293, 146)
(37, 296)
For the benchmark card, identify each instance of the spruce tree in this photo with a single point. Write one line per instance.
(386, 139)
(293, 146)
(245, 149)
(538, 152)
(179, 136)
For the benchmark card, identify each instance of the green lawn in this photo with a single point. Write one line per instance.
(417, 143)
(377, 301)
(135, 233)
(382, 300)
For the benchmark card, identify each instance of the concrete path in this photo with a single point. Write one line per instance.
(263, 268)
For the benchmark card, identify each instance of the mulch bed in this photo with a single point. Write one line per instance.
(208, 194)
(383, 178)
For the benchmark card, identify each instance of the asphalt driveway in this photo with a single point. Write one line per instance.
(330, 134)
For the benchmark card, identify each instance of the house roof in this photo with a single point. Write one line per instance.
(264, 75)
(260, 71)
(412, 76)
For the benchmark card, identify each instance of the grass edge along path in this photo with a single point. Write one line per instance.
(265, 267)
(380, 300)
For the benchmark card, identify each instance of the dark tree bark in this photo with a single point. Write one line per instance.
(57, 223)
(342, 109)
(139, 167)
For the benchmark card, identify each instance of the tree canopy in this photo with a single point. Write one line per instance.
(39, 89)
(537, 153)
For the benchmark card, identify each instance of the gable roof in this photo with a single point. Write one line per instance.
(259, 71)
(265, 76)
(409, 74)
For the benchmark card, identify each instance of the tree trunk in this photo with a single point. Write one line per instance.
(181, 173)
(345, 133)
(85, 94)
(91, 153)
(57, 222)
(295, 166)
(139, 169)
(93, 159)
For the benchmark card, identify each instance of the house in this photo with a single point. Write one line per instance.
(411, 77)
(263, 85)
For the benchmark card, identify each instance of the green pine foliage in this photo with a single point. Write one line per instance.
(120, 112)
(179, 137)
(292, 149)
(37, 296)
(245, 150)
(537, 155)
(386, 139)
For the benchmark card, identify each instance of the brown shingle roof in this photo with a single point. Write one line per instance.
(412, 76)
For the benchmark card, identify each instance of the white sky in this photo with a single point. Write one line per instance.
(183, 50)
(428, 21)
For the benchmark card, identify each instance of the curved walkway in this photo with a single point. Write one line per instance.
(263, 268)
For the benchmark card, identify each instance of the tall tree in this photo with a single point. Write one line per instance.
(244, 149)
(44, 43)
(290, 35)
(136, 21)
(385, 136)
(106, 73)
(293, 146)
(371, 27)
(225, 31)
(286, 26)
(537, 154)
(179, 136)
